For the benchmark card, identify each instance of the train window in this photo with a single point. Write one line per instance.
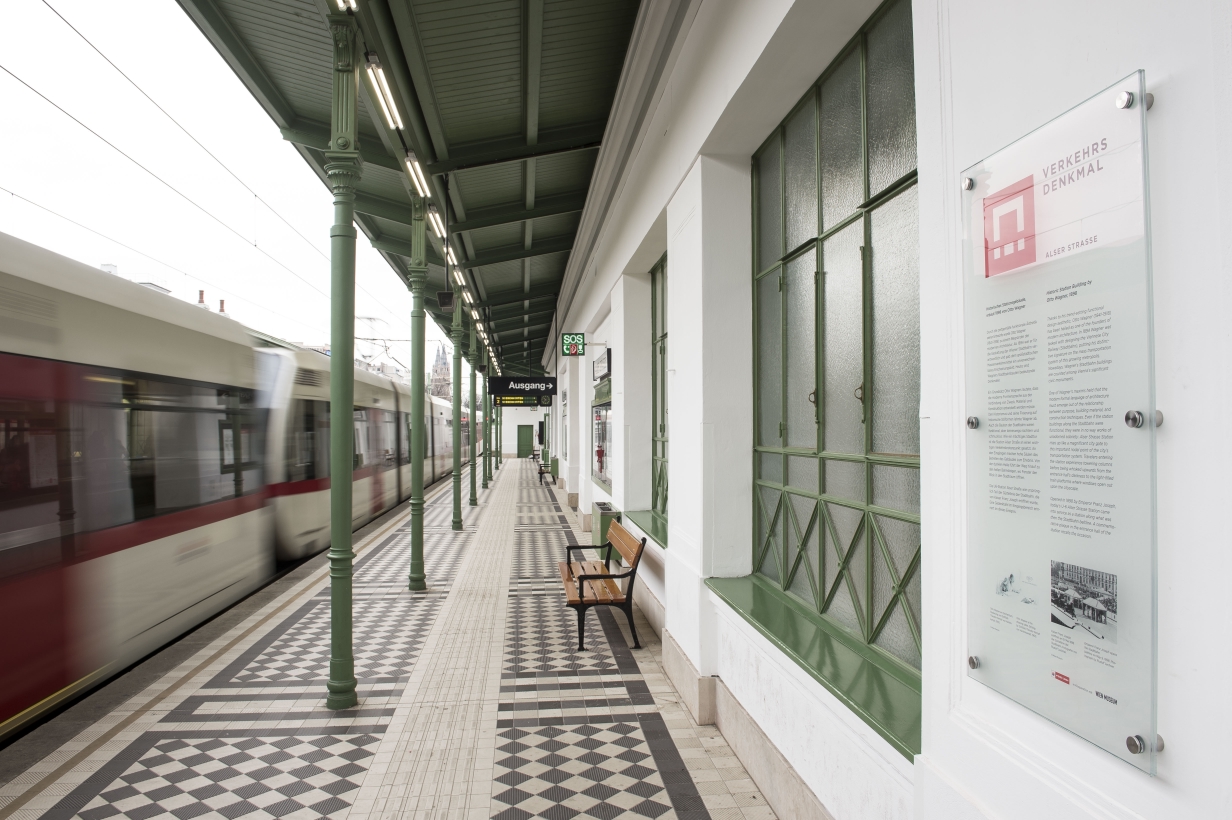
(404, 441)
(307, 452)
(84, 449)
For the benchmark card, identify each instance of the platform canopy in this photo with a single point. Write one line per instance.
(503, 104)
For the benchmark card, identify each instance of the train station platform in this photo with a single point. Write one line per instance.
(474, 702)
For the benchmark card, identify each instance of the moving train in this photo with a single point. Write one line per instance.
(155, 464)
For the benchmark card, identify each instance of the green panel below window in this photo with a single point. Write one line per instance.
(890, 703)
(651, 523)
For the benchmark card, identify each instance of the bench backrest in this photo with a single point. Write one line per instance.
(630, 548)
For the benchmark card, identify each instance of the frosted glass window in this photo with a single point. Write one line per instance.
(842, 142)
(843, 345)
(896, 326)
(800, 166)
(891, 98)
(799, 294)
(769, 206)
(838, 346)
(769, 360)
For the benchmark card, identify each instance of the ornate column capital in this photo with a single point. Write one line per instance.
(344, 118)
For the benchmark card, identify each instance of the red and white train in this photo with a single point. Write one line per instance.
(155, 464)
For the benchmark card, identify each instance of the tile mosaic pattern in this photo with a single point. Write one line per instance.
(255, 777)
(474, 701)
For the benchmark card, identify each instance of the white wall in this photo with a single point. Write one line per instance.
(986, 74)
(512, 417)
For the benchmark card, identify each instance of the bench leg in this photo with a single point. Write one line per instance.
(628, 608)
(581, 611)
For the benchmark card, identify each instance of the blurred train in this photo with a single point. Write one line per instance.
(155, 464)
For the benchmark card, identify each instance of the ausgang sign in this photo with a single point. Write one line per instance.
(522, 386)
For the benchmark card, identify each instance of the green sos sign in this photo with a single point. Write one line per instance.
(573, 344)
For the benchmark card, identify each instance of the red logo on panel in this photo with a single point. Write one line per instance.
(1009, 228)
(1060, 677)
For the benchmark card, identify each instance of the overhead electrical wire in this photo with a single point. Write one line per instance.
(208, 152)
(187, 133)
(156, 260)
(171, 187)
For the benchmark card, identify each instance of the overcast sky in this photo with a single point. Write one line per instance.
(228, 243)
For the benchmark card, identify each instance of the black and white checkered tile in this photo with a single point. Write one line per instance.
(619, 761)
(389, 633)
(255, 778)
(594, 770)
(203, 766)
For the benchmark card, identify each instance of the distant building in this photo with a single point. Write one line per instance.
(440, 380)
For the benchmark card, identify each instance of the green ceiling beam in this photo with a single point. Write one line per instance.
(379, 206)
(527, 340)
(504, 322)
(510, 297)
(587, 139)
(492, 217)
(402, 247)
(540, 326)
(511, 254)
(316, 135)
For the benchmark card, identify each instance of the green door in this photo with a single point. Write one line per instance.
(526, 440)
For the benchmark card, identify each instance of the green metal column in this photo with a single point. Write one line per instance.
(343, 167)
(457, 334)
(487, 424)
(473, 359)
(418, 282)
(500, 421)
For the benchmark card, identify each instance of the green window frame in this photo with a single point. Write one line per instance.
(836, 351)
(658, 375)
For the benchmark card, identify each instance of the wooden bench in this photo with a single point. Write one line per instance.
(592, 583)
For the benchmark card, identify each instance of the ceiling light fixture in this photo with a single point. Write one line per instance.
(457, 277)
(344, 5)
(466, 294)
(435, 219)
(453, 260)
(376, 75)
(417, 175)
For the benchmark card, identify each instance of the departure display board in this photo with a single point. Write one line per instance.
(522, 401)
(1060, 431)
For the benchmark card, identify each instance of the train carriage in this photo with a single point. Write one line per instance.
(154, 464)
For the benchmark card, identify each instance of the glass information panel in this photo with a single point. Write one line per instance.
(1061, 427)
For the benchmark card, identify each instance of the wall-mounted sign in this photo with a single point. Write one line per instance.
(573, 344)
(603, 364)
(1061, 423)
(522, 401)
(521, 386)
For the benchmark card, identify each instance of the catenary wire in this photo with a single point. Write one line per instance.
(156, 260)
(211, 154)
(171, 187)
(187, 133)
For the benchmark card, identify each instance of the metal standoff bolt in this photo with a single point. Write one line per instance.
(973, 661)
(1159, 418)
(1126, 100)
(1159, 744)
(968, 183)
(1135, 744)
(1133, 418)
(973, 422)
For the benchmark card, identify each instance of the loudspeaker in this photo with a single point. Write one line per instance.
(445, 299)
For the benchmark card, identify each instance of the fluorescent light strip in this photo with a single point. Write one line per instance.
(388, 96)
(435, 219)
(467, 295)
(343, 5)
(412, 168)
(376, 86)
(453, 260)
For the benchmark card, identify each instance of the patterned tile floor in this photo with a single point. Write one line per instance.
(474, 701)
